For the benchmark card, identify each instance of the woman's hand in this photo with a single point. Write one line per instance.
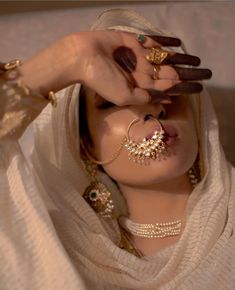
(114, 65)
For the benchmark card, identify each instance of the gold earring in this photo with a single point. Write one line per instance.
(194, 173)
(97, 194)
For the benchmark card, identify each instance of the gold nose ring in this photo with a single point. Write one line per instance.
(149, 148)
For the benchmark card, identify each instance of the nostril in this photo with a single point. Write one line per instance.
(162, 115)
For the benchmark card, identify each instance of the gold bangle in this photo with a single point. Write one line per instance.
(12, 73)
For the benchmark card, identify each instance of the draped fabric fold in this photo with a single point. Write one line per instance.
(51, 238)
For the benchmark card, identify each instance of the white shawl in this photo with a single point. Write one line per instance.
(51, 239)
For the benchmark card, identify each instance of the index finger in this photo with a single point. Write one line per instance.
(165, 40)
(154, 40)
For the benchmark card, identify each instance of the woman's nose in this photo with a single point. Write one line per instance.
(153, 110)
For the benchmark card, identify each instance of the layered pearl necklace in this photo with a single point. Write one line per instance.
(157, 230)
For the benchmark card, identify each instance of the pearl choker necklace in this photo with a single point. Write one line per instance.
(157, 230)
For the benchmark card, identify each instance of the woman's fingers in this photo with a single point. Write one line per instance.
(181, 58)
(130, 60)
(145, 81)
(129, 76)
(149, 41)
(166, 72)
(143, 96)
(126, 58)
(159, 96)
(168, 86)
(185, 88)
(193, 74)
(171, 71)
(172, 57)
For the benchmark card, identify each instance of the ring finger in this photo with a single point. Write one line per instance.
(153, 41)
(172, 72)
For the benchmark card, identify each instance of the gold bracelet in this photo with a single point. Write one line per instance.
(13, 64)
(12, 74)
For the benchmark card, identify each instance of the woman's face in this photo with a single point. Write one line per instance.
(108, 125)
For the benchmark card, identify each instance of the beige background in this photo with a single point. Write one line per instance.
(207, 28)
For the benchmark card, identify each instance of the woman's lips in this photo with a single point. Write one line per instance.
(170, 130)
(170, 135)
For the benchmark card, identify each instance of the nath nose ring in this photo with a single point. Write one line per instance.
(149, 148)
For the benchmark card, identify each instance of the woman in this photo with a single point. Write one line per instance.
(87, 241)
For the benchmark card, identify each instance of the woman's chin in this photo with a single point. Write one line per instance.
(155, 172)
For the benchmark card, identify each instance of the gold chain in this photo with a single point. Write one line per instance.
(115, 154)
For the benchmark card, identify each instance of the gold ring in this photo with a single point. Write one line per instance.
(156, 69)
(156, 55)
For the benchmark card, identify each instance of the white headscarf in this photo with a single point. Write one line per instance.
(78, 246)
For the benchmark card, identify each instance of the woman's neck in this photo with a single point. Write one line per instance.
(159, 203)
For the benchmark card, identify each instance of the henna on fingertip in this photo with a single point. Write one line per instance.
(126, 58)
(193, 74)
(159, 96)
(185, 88)
(165, 40)
(181, 58)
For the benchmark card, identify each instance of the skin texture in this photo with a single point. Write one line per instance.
(160, 190)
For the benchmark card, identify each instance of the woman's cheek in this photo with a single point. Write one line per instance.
(188, 145)
(109, 139)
